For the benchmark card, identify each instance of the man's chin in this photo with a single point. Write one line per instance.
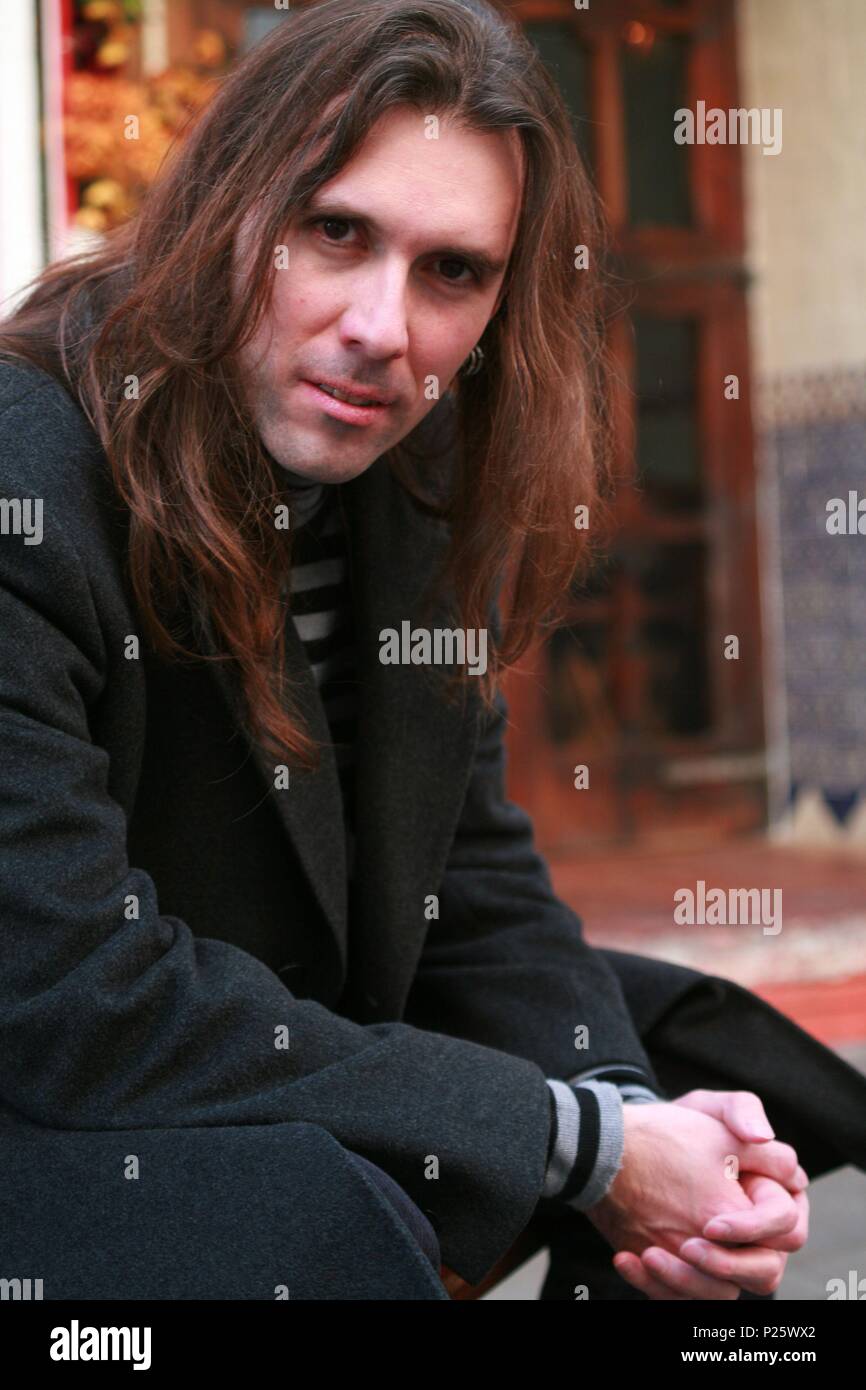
(303, 451)
(335, 470)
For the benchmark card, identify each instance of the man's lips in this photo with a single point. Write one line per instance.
(357, 392)
(347, 413)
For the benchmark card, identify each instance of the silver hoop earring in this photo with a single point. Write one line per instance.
(474, 362)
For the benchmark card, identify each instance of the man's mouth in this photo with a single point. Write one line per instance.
(350, 399)
(346, 405)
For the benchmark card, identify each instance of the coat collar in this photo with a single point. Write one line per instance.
(413, 755)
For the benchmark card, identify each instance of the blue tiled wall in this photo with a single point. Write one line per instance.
(823, 576)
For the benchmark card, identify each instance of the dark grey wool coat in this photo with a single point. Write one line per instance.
(196, 1022)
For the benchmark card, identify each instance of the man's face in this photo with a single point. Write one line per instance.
(385, 287)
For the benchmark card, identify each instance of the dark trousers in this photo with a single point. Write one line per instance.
(411, 1215)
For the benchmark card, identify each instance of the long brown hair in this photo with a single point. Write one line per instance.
(152, 302)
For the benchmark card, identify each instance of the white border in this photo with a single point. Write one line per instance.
(22, 249)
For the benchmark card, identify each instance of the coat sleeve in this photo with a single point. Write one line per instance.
(506, 964)
(115, 1016)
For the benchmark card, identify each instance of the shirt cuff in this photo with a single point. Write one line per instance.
(586, 1152)
(620, 1073)
(642, 1095)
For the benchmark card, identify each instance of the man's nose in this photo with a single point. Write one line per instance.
(377, 317)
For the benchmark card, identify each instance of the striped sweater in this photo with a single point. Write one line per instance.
(586, 1132)
(321, 609)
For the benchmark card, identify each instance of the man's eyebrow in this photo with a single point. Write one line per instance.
(482, 259)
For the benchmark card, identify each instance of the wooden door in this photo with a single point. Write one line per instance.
(640, 685)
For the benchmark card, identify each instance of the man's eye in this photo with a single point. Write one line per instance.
(329, 225)
(330, 222)
(461, 265)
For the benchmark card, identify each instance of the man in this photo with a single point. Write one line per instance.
(289, 1004)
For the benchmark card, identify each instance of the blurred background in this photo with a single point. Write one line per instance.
(741, 412)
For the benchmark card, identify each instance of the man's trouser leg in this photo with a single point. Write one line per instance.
(240, 1212)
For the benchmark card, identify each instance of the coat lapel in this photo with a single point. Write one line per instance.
(413, 756)
(414, 751)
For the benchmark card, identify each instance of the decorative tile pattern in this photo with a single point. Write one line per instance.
(814, 428)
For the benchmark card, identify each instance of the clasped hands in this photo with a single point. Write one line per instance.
(707, 1202)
